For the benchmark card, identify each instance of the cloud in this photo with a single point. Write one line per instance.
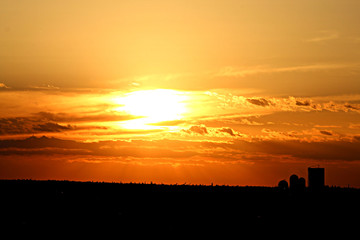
(197, 129)
(278, 135)
(354, 126)
(53, 158)
(331, 150)
(108, 149)
(53, 90)
(58, 122)
(231, 71)
(29, 125)
(326, 132)
(173, 150)
(2, 85)
(294, 150)
(292, 103)
(259, 101)
(325, 36)
(299, 134)
(327, 126)
(227, 130)
(246, 121)
(352, 107)
(98, 117)
(52, 127)
(18, 125)
(303, 103)
(336, 107)
(45, 87)
(213, 132)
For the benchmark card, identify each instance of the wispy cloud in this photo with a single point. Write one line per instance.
(324, 36)
(2, 85)
(265, 105)
(219, 132)
(30, 125)
(47, 122)
(232, 71)
(171, 150)
(45, 87)
(94, 117)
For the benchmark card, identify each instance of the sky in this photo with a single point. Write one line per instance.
(231, 92)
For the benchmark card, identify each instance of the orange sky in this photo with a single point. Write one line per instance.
(225, 92)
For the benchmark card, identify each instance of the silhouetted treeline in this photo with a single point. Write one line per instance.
(172, 210)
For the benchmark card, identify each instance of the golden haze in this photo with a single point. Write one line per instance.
(233, 92)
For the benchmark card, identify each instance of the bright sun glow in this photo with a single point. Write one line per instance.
(152, 106)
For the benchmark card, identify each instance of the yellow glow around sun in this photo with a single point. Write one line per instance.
(152, 106)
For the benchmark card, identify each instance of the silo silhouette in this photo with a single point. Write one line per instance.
(294, 182)
(301, 184)
(283, 185)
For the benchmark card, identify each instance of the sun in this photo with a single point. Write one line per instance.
(152, 106)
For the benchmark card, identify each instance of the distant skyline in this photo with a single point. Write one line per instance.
(234, 92)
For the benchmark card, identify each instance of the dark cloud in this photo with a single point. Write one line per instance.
(259, 101)
(55, 122)
(304, 103)
(52, 127)
(58, 117)
(212, 131)
(40, 142)
(352, 107)
(222, 151)
(332, 150)
(30, 125)
(227, 130)
(101, 117)
(18, 125)
(357, 138)
(50, 89)
(326, 133)
(197, 129)
(51, 146)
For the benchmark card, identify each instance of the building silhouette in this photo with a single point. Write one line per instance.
(283, 185)
(294, 179)
(302, 184)
(316, 181)
(316, 178)
(297, 185)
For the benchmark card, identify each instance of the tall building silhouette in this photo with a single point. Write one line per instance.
(316, 178)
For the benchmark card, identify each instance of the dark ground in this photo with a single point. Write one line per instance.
(64, 207)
